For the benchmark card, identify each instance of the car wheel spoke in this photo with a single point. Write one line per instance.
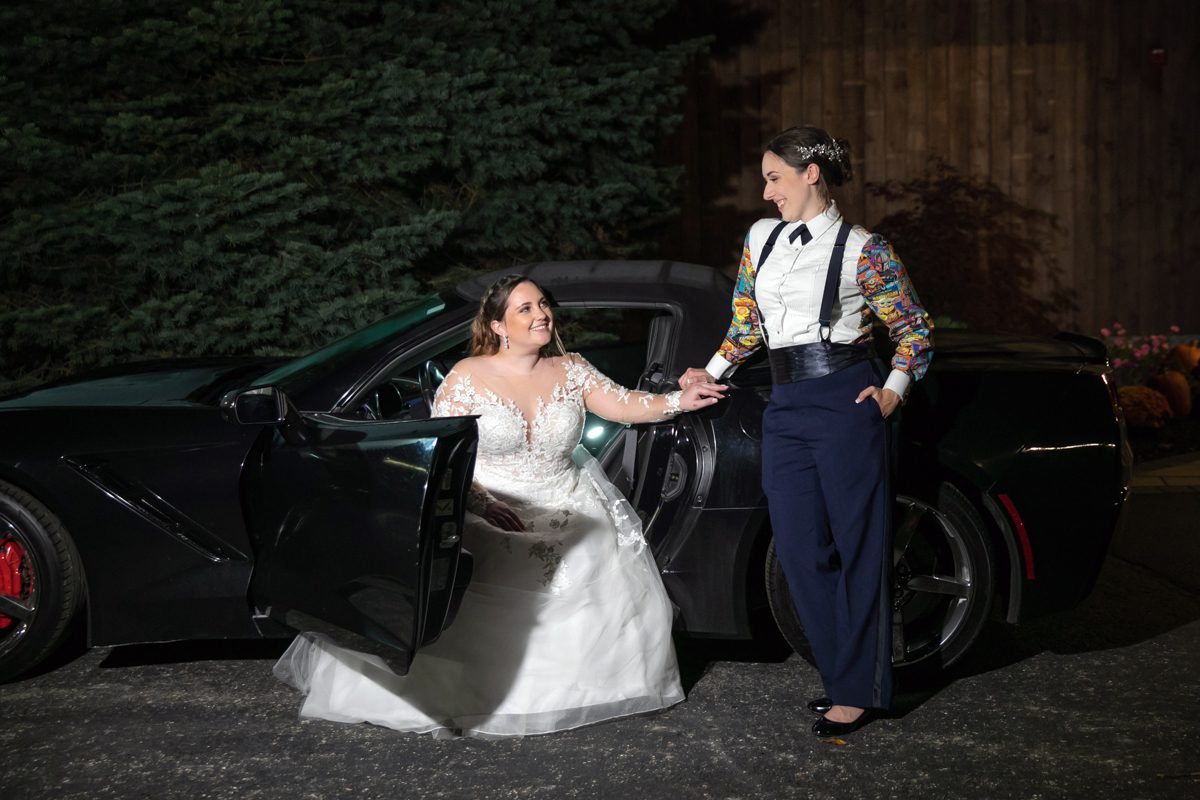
(939, 584)
(903, 533)
(10, 607)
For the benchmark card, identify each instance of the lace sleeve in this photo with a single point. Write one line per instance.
(456, 398)
(608, 399)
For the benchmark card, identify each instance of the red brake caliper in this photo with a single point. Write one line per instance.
(13, 578)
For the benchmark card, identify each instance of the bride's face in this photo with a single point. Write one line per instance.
(528, 322)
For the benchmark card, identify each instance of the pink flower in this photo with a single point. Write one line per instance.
(1142, 351)
(1105, 332)
(1119, 341)
(1118, 362)
(1174, 329)
(1119, 327)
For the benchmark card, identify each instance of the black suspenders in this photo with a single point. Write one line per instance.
(770, 245)
(831, 282)
(831, 277)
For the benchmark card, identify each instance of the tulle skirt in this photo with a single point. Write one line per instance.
(564, 624)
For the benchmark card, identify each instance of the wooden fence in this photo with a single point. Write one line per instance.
(1085, 109)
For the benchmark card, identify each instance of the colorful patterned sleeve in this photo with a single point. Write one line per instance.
(884, 283)
(744, 335)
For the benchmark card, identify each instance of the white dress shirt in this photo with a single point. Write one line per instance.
(788, 289)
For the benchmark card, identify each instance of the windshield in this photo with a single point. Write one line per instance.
(363, 339)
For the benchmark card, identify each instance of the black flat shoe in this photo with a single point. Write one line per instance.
(827, 727)
(820, 705)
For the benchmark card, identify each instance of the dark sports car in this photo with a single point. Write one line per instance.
(243, 498)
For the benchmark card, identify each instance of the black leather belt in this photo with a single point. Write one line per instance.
(804, 362)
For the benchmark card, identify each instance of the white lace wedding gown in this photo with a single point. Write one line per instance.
(564, 624)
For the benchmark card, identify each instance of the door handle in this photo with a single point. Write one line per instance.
(675, 478)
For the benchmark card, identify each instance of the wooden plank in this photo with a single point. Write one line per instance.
(791, 26)
(1044, 158)
(937, 96)
(979, 109)
(853, 198)
(810, 66)
(1084, 187)
(1183, 102)
(722, 229)
(1172, 278)
(1106, 288)
(895, 92)
(1020, 96)
(1066, 47)
(916, 64)
(749, 81)
(1128, 134)
(874, 143)
(770, 112)
(829, 22)
(959, 87)
(1159, 274)
(1000, 47)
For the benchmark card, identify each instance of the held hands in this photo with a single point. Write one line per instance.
(699, 394)
(501, 515)
(886, 398)
(694, 375)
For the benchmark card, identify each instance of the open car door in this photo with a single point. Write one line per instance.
(356, 525)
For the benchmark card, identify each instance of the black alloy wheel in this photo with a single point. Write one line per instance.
(943, 583)
(41, 581)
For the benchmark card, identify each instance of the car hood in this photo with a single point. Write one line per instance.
(151, 383)
(1005, 348)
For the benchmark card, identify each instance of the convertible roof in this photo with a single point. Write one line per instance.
(580, 280)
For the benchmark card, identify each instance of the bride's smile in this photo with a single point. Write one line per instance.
(528, 323)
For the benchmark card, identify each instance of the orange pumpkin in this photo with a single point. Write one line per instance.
(1173, 385)
(1184, 357)
(1144, 407)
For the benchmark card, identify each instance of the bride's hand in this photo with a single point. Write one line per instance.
(501, 515)
(699, 395)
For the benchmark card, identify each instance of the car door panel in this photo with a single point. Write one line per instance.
(356, 527)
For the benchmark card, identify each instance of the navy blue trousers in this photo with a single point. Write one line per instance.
(825, 474)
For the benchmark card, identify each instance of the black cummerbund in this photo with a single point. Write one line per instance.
(803, 362)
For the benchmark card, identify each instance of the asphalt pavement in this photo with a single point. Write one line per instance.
(1098, 702)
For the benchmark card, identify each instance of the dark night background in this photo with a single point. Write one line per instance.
(262, 176)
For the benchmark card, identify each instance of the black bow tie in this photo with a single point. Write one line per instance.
(802, 232)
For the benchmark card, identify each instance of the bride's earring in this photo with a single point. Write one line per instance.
(505, 342)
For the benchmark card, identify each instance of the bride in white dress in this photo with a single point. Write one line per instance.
(566, 621)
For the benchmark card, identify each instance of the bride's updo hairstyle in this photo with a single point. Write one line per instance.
(808, 144)
(493, 304)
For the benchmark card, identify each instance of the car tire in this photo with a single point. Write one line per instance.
(41, 581)
(944, 582)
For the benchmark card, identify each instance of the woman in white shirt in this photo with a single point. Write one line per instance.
(809, 287)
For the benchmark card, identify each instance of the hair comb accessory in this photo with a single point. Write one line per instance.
(831, 150)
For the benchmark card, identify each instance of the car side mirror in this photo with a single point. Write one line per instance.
(265, 405)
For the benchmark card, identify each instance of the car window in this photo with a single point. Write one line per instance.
(614, 340)
(397, 393)
(381, 331)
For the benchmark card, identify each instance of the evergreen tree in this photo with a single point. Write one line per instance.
(237, 176)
